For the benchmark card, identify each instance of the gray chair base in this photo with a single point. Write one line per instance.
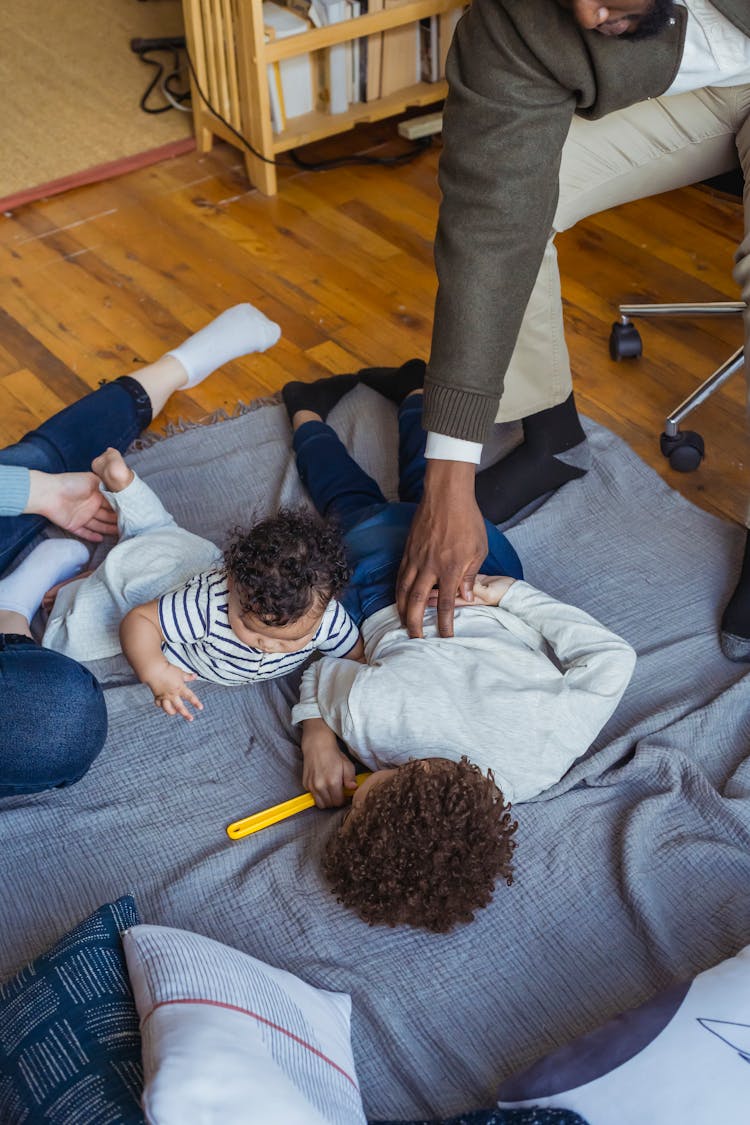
(683, 448)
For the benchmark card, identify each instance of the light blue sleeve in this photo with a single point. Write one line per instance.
(14, 489)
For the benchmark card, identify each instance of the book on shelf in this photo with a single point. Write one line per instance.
(290, 81)
(374, 63)
(401, 63)
(335, 61)
(355, 54)
(429, 49)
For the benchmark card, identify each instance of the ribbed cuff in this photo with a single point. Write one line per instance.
(458, 413)
(15, 483)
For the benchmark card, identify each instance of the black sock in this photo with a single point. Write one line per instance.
(320, 396)
(395, 383)
(735, 624)
(554, 451)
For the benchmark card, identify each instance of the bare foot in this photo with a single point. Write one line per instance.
(112, 470)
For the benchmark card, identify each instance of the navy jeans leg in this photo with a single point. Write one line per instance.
(54, 719)
(339, 488)
(412, 440)
(68, 442)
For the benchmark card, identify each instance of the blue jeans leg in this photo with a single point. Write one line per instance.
(338, 487)
(68, 442)
(54, 719)
(412, 440)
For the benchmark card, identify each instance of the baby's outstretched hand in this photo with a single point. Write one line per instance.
(171, 692)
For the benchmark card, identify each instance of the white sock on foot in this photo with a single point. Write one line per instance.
(51, 562)
(238, 331)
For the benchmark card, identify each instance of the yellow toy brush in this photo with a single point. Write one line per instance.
(270, 816)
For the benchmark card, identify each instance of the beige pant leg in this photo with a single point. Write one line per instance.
(655, 146)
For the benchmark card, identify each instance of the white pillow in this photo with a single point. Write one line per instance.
(680, 1059)
(227, 1038)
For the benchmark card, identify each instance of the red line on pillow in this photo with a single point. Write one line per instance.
(261, 1019)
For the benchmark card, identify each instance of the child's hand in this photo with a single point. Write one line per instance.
(326, 773)
(490, 590)
(169, 686)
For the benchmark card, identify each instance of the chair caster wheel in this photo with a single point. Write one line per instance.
(625, 341)
(685, 450)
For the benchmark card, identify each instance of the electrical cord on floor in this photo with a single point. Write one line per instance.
(294, 161)
(164, 79)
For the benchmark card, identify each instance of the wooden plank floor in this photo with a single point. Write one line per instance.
(99, 281)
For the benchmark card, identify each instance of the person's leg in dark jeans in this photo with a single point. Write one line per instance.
(54, 718)
(116, 414)
(339, 488)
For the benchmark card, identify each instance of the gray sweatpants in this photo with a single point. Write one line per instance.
(153, 556)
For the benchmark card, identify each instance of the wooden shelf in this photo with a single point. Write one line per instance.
(230, 55)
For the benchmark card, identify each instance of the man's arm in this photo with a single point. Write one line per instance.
(447, 545)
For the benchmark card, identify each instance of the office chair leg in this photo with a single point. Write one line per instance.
(683, 448)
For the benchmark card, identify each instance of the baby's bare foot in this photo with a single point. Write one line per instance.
(112, 470)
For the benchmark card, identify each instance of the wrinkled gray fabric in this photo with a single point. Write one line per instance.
(632, 872)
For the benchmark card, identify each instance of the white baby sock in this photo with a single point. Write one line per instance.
(51, 562)
(238, 331)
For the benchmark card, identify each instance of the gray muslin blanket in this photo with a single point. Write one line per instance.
(632, 872)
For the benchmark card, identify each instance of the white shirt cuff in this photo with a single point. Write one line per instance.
(302, 711)
(440, 447)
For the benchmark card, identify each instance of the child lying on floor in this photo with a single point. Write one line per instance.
(439, 720)
(252, 613)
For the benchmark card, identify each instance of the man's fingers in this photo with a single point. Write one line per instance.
(446, 606)
(416, 602)
(466, 589)
(404, 581)
(90, 536)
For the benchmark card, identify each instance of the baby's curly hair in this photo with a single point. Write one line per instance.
(424, 848)
(286, 565)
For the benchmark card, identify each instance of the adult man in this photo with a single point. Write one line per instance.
(556, 110)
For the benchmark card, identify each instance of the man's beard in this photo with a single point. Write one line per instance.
(654, 21)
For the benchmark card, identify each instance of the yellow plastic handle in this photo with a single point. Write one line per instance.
(270, 816)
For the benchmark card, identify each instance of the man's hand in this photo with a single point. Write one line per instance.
(169, 685)
(446, 546)
(73, 502)
(326, 772)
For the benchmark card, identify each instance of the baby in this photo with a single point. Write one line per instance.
(253, 612)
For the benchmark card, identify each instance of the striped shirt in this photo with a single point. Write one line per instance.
(197, 635)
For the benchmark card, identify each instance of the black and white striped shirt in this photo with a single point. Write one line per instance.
(197, 635)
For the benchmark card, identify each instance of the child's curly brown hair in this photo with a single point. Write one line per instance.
(286, 565)
(424, 848)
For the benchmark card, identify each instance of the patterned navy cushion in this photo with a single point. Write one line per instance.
(70, 1048)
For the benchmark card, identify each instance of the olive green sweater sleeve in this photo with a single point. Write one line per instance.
(517, 71)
